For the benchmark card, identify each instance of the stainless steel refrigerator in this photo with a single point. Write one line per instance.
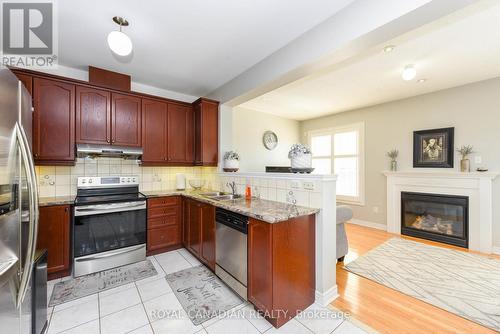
(18, 206)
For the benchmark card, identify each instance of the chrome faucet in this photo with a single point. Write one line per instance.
(232, 185)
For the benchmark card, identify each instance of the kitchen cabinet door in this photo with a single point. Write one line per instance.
(194, 226)
(53, 122)
(260, 269)
(54, 235)
(208, 235)
(185, 223)
(180, 133)
(93, 116)
(126, 120)
(27, 81)
(281, 267)
(206, 115)
(154, 117)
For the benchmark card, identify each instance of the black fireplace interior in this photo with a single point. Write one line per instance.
(442, 218)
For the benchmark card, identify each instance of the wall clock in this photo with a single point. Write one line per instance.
(270, 140)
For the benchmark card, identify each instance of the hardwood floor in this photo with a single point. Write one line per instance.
(387, 310)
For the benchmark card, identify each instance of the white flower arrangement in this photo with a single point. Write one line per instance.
(298, 150)
(232, 155)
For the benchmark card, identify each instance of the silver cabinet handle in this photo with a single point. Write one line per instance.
(33, 212)
(97, 209)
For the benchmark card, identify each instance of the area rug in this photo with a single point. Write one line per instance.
(202, 294)
(465, 284)
(82, 286)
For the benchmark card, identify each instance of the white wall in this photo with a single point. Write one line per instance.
(248, 126)
(474, 111)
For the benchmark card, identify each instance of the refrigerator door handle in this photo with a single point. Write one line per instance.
(33, 211)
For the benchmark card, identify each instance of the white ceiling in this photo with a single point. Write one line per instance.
(187, 46)
(456, 50)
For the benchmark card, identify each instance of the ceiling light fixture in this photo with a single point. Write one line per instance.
(409, 73)
(118, 42)
(389, 48)
(422, 80)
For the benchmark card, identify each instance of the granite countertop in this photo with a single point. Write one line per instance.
(265, 210)
(56, 200)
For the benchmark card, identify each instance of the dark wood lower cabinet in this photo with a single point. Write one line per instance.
(208, 235)
(54, 235)
(199, 231)
(281, 267)
(164, 224)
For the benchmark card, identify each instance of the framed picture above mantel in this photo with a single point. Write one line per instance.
(433, 148)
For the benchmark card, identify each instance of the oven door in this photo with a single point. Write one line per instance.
(108, 235)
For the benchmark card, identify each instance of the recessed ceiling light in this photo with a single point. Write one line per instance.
(389, 48)
(118, 42)
(409, 72)
(422, 80)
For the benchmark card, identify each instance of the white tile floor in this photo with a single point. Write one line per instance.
(136, 308)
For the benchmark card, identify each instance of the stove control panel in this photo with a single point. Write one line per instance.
(107, 181)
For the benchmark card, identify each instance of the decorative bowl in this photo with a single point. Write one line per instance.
(197, 183)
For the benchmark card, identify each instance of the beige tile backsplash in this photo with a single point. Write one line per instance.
(272, 188)
(62, 180)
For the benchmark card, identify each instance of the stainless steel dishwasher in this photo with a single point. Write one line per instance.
(231, 250)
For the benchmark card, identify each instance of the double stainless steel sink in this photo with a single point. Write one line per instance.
(221, 196)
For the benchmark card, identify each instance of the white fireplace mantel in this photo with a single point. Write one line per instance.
(477, 186)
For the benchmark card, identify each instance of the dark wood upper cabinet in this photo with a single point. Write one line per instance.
(180, 134)
(171, 133)
(126, 120)
(206, 114)
(54, 235)
(207, 254)
(27, 81)
(168, 134)
(53, 122)
(93, 116)
(154, 117)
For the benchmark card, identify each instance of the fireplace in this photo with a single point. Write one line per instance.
(442, 218)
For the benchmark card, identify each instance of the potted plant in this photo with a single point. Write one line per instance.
(300, 156)
(393, 155)
(465, 151)
(231, 161)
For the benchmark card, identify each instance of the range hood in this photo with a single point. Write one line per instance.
(89, 150)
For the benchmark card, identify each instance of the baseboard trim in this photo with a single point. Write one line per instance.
(326, 298)
(496, 250)
(366, 223)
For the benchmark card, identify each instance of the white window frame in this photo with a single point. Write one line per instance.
(360, 129)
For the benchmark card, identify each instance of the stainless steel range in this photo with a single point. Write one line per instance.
(109, 223)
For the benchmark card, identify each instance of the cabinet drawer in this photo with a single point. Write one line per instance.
(163, 237)
(162, 211)
(162, 201)
(163, 221)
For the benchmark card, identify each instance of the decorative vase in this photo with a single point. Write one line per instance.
(465, 165)
(394, 165)
(231, 165)
(302, 161)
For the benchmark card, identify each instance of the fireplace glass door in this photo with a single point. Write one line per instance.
(442, 218)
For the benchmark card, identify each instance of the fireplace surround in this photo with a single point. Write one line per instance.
(478, 187)
(436, 217)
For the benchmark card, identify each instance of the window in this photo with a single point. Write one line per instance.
(340, 151)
